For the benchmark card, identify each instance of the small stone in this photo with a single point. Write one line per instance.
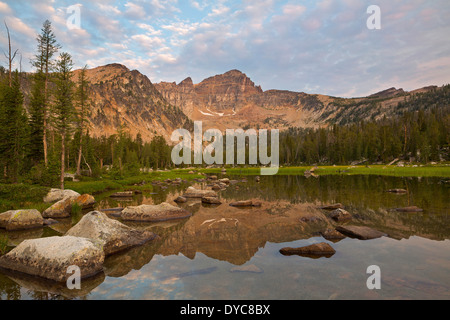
(211, 200)
(340, 215)
(319, 249)
(245, 203)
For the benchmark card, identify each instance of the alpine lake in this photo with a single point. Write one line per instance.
(228, 253)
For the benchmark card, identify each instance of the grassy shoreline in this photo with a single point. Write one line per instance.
(440, 171)
(23, 196)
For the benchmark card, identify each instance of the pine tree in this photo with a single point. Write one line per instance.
(43, 62)
(63, 109)
(13, 131)
(36, 119)
(83, 110)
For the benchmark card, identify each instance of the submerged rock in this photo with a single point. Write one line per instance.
(55, 195)
(21, 219)
(362, 233)
(154, 213)
(318, 249)
(249, 268)
(114, 235)
(51, 257)
(191, 192)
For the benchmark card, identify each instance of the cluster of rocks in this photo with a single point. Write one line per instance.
(85, 245)
(339, 215)
(64, 200)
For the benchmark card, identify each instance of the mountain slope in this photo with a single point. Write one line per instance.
(126, 99)
(232, 100)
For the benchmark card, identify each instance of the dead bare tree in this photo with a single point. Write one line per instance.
(11, 56)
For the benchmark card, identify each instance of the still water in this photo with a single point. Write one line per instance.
(223, 252)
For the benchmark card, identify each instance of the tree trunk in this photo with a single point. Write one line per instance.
(79, 156)
(63, 153)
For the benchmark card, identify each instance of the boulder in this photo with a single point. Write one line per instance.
(55, 195)
(409, 209)
(318, 249)
(192, 192)
(51, 257)
(85, 201)
(154, 213)
(332, 234)
(180, 200)
(59, 210)
(340, 215)
(114, 235)
(211, 200)
(359, 232)
(21, 219)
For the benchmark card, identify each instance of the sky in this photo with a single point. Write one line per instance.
(322, 46)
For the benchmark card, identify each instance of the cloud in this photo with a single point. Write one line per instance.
(321, 46)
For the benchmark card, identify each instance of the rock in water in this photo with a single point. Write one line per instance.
(340, 215)
(318, 249)
(55, 195)
(191, 192)
(362, 233)
(60, 209)
(51, 257)
(332, 235)
(180, 200)
(244, 203)
(114, 236)
(154, 213)
(85, 201)
(21, 219)
(211, 200)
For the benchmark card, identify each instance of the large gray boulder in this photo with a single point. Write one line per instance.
(51, 257)
(21, 219)
(55, 195)
(114, 235)
(192, 192)
(154, 213)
